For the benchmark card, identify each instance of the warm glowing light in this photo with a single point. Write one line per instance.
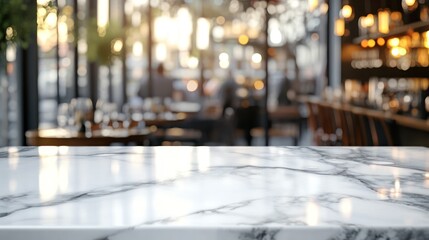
(409, 5)
(258, 85)
(369, 20)
(161, 28)
(242, 93)
(224, 60)
(362, 22)
(396, 16)
(184, 23)
(383, 21)
(11, 53)
(371, 43)
(203, 33)
(312, 5)
(139, 3)
(240, 80)
(410, 2)
(161, 52)
(224, 64)
(117, 45)
(364, 43)
(324, 7)
(398, 52)
(256, 58)
(193, 62)
(51, 20)
(243, 39)
(183, 58)
(405, 41)
(276, 37)
(426, 39)
(347, 11)
(62, 32)
(224, 56)
(42, 2)
(339, 27)
(192, 85)
(218, 33)
(138, 49)
(234, 6)
(102, 13)
(393, 42)
(220, 20)
(9, 33)
(381, 41)
(136, 19)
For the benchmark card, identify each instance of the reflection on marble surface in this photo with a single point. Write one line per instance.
(121, 193)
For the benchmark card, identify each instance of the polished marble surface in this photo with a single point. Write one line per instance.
(293, 193)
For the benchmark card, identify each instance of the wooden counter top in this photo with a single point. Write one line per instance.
(401, 120)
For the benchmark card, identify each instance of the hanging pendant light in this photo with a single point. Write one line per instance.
(339, 27)
(347, 11)
(384, 21)
(409, 5)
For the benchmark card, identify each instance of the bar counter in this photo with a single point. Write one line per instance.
(214, 193)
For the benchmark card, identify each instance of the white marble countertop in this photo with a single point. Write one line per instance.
(214, 193)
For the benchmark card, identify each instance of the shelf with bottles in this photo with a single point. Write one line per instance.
(403, 96)
(420, 26)
(388, 34)
(400, 52)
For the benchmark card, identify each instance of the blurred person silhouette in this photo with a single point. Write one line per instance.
(283, 98)
(162, 85)
(245, 110)
(227, 95)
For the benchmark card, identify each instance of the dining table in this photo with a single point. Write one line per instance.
(214, 193)
(96, 137)
(136, 130)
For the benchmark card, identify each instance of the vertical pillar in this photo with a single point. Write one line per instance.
(267, 76)
(75, 50)
(92, 66)
(149, 50)
(57, 55)
(334, 46)
(124, 58)
(28, 91)
(4, 115)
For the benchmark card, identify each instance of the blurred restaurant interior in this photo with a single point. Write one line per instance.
(216, 73)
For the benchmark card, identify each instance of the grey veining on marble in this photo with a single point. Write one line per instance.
(291, 193)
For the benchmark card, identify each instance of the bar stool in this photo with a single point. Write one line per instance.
(359, 128)
(343, 124)
(380, 131)
(332, 133)
(314, 123)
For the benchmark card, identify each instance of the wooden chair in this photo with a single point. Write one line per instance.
(380, 131)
